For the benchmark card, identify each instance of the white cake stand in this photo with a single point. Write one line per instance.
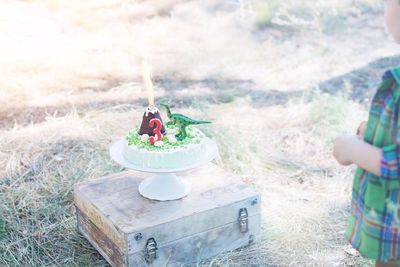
(164, 184)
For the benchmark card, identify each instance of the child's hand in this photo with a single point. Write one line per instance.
(349, 149)
(342, 148)
(361, 130)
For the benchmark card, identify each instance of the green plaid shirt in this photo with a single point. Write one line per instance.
(374, 223)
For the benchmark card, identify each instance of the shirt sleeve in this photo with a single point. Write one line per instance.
(390, 159)
(390, 167)
(390, 163)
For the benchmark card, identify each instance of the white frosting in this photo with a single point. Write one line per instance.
(171, 139)
(172, 131)
(151, 109)
(171, 158)
(144, 137)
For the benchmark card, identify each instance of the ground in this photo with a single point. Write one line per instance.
(278, 80)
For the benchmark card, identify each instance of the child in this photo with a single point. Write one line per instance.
(374, 224)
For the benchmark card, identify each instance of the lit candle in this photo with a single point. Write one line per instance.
(148, 83)
(151, 111)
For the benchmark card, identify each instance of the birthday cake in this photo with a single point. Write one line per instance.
(156, 145)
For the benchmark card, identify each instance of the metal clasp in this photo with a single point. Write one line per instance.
(243, 220)
(150, 252)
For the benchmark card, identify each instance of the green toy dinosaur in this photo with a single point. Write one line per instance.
(181, 121)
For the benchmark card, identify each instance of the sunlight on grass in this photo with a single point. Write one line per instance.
(332, 115)
(71, 86)
(323, 16)
(329, 113)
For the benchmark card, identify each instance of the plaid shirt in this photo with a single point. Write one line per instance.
(374, 223)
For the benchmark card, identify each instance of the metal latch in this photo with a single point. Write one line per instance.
(243, 220)
(150, 251)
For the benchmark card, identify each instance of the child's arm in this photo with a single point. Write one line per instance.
(350, 149)
(392, 19)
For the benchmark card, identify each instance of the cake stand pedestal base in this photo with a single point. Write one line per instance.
(164, 186)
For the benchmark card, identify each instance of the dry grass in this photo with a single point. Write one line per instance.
(70, 75)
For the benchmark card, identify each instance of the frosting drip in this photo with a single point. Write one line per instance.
(151, 109)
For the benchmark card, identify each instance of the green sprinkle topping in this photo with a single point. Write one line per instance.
(194, 137)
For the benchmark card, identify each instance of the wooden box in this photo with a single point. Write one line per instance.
(220, 214)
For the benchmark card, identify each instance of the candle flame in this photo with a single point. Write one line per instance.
(148, 83)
